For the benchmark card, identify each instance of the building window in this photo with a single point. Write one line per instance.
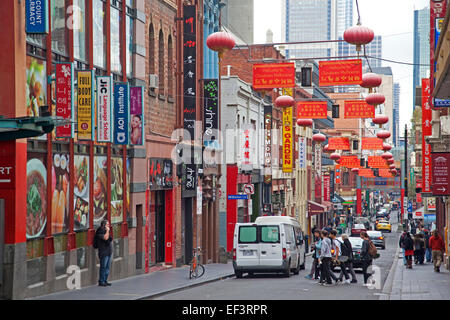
(99, 34)
(170, 66)
(116, 66)
(79, 29)
(161, 69)
(129, 45)
(151, 49)
(58, 24)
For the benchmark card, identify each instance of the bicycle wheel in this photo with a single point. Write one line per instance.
(200, 270)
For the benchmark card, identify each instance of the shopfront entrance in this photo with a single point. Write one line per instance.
(2, 240)
(187, 230)
(160, 217)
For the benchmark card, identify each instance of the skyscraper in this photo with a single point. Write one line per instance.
(396, 114)
(421, 47)
(314, 20)
(373, 49)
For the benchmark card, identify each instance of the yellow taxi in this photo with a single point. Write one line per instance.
(383, 226)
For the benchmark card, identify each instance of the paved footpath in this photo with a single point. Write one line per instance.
(145, 286)
(418, 283)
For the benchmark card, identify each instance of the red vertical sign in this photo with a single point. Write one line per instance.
(426, 108)
(326, 188)
(64, 94)
(358, 202)
(147, 231)
(169, 227)
(232, 175)
(337, 178)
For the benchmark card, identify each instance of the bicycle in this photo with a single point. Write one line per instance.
(196, 269)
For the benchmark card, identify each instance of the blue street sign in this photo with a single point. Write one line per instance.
(410, 209)
(36, 15)
(441, 103)
(237, 197)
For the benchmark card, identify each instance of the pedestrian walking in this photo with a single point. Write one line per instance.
(367, 255)
(408, 245)
(315, 248)
(335, 253)
(103, 242)
(402, 245)
(419, 248)
(427, 246)
(325, 259)
(346, 260)
(437, 250)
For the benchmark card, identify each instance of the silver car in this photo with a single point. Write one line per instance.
(377, 239)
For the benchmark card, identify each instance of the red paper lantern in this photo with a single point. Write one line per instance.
(304, 122)
(355, 170)
(335, 156)
(383, 134)
(358, 35)
(375, 99)
(380, 119)
(220, 42)
(319, 137)
(370, 80)
(284, 101)
(394, 172)
(386, 147)
(386, 155)
(390, 160)
(392, 166)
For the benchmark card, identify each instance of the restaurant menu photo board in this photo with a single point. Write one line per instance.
(36, 88)
(100, 189)
(81, 192)
(36, 195)
(117, 195)
(60, 193)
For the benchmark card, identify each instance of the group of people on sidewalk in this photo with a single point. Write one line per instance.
(329, 251)
(422, 246)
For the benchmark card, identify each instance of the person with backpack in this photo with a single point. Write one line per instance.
(345, 260)
(103, 242)
(408, 245)
(368, 253)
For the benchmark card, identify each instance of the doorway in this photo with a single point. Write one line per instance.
(139, 239)
(160, 223)
(2, 241)
(188, 230)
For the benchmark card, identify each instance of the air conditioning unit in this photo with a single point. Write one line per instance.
(153, 81)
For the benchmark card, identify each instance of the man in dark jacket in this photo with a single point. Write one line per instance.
(366, 258)
(347, 251)
(104, 244)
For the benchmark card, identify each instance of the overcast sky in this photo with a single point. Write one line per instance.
(392, 19)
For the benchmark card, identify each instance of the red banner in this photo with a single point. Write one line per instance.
(367, 173)
(339, 144)
(326, 188)
(340, 72)
(64, 93)
(350, 162)
(426, 166)
(441, 173)
(426, 108)
(377, 162)
(312, 110)
(337, 176)
(372, 144)
(418, 197)
(358, 109)
(385, 173)
(273, 75)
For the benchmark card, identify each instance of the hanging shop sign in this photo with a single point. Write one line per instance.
(326, 188)
(377, 162)
(190, 69)
(104, 107)
(210, 112)
(64, 95)
(160, 174)
(302, 152)
(340, 72)
(312, 110)
(426, 108)
(318, 171)
(288, 140)
(358, 109)
(36, 13)
(273, 75)
(441, 173)
(247, 147)
(339, 143)
(268, 144)
(121, 113)
(85, 105)
(426, 166)
(137, 116)
(337, 178)
(350, 162)
(372, 144)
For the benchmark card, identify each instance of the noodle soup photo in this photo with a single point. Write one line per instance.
(36, 198)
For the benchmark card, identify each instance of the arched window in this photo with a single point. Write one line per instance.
(161, 73)
(151, 49)
(170, 66)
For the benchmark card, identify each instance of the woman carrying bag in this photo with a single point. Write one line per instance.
(408, 245)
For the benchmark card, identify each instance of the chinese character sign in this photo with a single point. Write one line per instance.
(340, 72)
(273, 75)
(358, 109)
(268, 144)
(312, 110)
(426, 108)
(64, 95)
(85, 104)
(288, 140)
(339, 143)
(190, 68)
(377, 162)
(247, 147)
(302, 152)
(372, 144)
(350, 161)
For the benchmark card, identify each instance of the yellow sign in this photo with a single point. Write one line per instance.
(85, 104)
(288, 140)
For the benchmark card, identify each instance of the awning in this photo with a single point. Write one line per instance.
(27, 127)
(315, 208)
(327, 204)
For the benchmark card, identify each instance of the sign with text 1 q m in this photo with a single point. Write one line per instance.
(36, 15)
(121, 113)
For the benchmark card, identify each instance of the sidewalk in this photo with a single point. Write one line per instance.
(145, 286)
(418, 283)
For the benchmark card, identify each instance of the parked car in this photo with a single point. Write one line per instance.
(356, 248)
(377, 239)
(270, 244)
(357, 229)
(383, 226)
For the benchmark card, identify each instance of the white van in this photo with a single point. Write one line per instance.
(270, 244)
